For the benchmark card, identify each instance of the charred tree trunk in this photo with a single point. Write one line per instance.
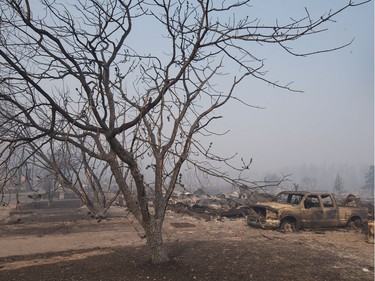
(151, 221)
(154, 236)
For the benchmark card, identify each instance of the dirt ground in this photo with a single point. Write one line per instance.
(37, 243)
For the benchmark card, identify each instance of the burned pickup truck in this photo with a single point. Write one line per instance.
(290, 211)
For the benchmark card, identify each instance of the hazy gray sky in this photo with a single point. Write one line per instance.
(332, 122)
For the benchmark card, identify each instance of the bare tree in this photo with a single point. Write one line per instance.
(59, 165)
(74, 71)
(70, 168)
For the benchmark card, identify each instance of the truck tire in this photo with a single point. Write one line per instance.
(288, 225)
(355, 224)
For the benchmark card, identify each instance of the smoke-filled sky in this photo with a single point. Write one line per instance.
(330, 124)
(327, 128)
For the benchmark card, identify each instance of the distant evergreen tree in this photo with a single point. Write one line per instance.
(309, 183)
(338, 185)
(369, 181)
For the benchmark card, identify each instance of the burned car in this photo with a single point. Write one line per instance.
(291, 210)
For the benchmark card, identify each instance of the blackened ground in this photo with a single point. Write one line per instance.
(200, 260)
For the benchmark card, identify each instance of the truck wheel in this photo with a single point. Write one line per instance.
(288, 225)
(355, 224)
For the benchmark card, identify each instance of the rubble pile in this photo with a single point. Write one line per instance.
(202, 205)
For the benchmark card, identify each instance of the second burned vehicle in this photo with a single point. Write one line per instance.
(292, 210)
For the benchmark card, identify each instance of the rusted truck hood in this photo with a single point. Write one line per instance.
(274, 206)
(265, 214)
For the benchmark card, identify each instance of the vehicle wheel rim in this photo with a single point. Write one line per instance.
(355, 225)
(288, 227)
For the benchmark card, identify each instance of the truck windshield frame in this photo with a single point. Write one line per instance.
(289, 198)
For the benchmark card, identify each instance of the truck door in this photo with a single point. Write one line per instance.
(330, 215)
(313, 214)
